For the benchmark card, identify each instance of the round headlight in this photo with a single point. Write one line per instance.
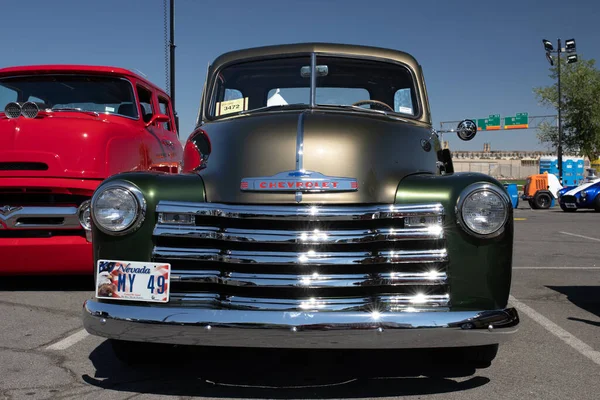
(118, 208)
(482, 210)
(84, 215)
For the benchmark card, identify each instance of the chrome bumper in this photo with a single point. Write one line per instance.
(282, 329)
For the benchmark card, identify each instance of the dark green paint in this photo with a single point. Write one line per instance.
(137, 246)
(480, 270)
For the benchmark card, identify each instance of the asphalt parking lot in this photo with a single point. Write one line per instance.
(556, 287)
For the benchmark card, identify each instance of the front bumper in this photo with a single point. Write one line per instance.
(284, 329)
(62, 255)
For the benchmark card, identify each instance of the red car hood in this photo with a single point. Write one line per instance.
(66, 146)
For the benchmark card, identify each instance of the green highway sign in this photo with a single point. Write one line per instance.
(490, 123)
(520, 121)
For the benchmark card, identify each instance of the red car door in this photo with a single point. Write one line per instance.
(169, 137)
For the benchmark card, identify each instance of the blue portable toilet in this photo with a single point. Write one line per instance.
(573, 169)
(513, 192)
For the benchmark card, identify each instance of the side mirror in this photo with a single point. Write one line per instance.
(467, 129)
(158, 118)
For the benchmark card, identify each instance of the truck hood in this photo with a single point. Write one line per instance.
(66, 146)
(375, 150)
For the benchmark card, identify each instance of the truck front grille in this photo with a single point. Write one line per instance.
(304, 257)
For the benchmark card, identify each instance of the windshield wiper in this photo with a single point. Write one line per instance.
(278, 106)
(95, 113)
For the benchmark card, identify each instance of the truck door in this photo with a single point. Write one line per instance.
(169, 136)
(153, 138)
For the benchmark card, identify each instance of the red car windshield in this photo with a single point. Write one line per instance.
(105, 95)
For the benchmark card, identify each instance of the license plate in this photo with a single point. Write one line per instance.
(570, 205)
(133, 280)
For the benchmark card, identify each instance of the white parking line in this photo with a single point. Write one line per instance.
(69, 341)
(578, 268)
(581, 236)
(557, 331)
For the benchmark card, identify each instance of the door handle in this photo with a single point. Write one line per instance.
(167, 142)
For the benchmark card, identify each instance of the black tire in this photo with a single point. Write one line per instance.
(478, 357)
(532, 204)
(542, 200)
(597, 203)
(134, 353)
(466, 357)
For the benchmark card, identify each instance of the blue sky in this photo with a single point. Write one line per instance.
(479, 57)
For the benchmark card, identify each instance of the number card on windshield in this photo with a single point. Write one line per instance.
(133, 281)
(231, 106)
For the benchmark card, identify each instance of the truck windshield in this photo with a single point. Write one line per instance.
(106, 95)
(341, 81)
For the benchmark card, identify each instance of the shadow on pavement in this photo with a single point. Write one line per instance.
(47, 283)
(270, 373)
(585, 297)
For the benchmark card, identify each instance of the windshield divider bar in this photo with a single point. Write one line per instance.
(313, 78)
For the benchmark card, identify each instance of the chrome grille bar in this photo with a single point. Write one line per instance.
(298, 237)
(37, 217)
(392, 303)
(300, 258)
(300, 212)
(314, 280)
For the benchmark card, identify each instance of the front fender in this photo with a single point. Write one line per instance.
(479, 270)
(137, 246)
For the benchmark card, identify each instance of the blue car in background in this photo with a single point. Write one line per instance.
(586, 195)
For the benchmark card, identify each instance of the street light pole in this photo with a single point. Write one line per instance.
(569, 48)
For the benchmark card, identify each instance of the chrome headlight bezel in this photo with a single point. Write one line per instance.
(81, 210)
(482, 187)
(137, 195)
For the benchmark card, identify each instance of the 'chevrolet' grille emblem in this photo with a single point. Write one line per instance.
(6, 210)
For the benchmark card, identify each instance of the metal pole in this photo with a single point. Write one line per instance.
(172, 52)
(560, 150)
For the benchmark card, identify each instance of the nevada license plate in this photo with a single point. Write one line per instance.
(570, 205)
(133, 280)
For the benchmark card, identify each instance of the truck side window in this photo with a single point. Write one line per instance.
(165, 109)
(145, 103)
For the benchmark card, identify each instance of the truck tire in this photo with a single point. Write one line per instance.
(135, 353)
(542, 200)
(479, 357)
(597, 203)
(532, 204)
(467, 357)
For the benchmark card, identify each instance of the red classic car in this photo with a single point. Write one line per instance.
(63, 130)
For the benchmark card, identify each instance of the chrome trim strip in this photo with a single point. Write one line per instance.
(298, 237)
(11, 217)
(391, 303)
(300, 258)
(305, 329)
(301, 212)
(314, 280)
(300, 150)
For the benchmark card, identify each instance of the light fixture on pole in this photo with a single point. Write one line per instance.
(571, 58)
